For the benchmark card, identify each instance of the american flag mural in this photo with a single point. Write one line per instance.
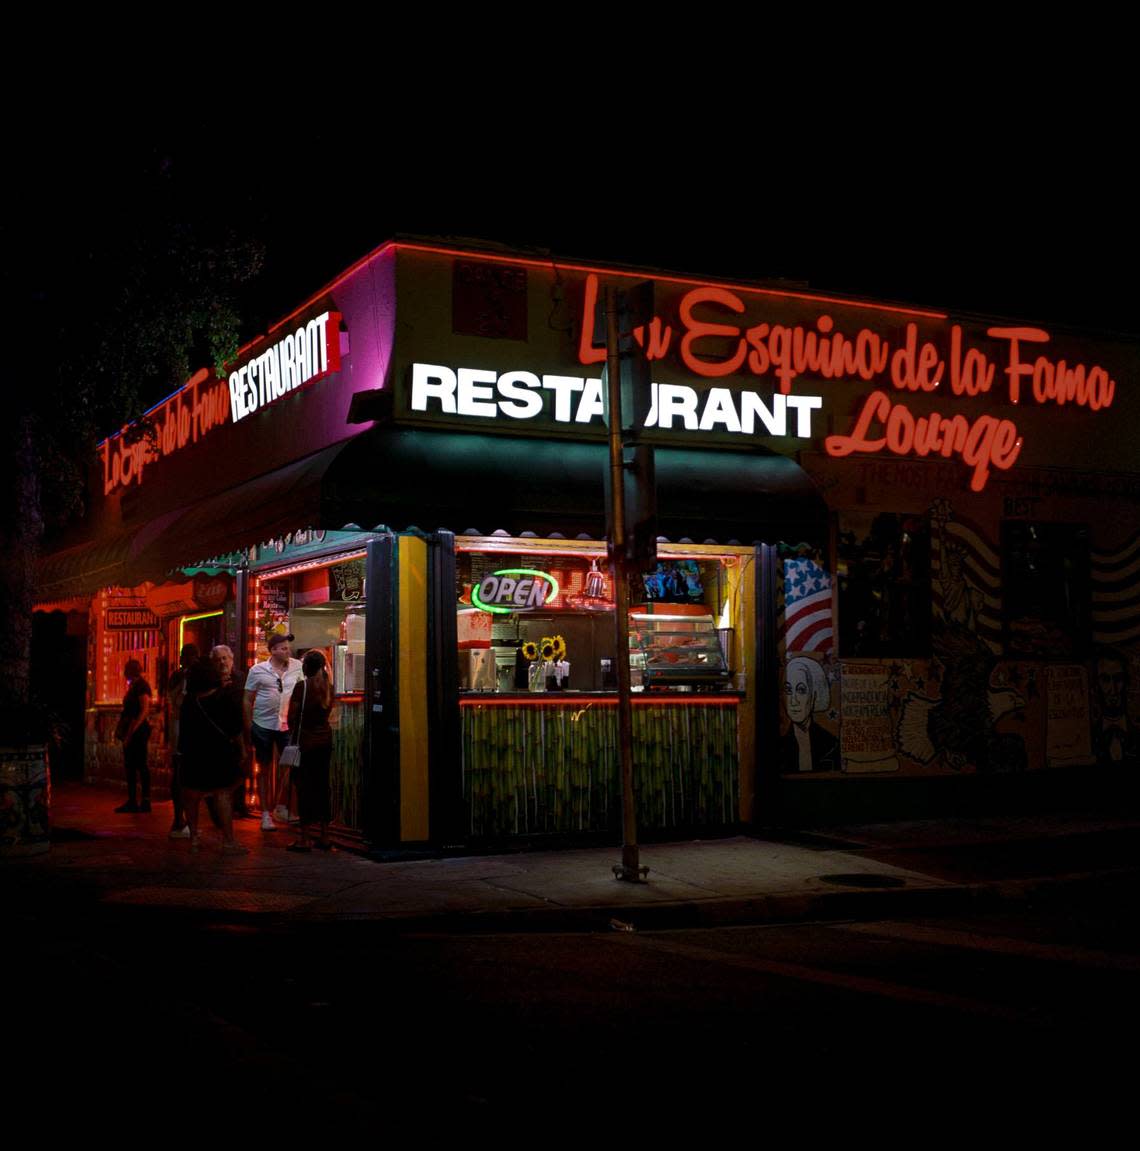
(807, 607)
(1116, 594)
(965, 571)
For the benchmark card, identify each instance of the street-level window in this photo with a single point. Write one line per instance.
(884, 585)
(1045, 581)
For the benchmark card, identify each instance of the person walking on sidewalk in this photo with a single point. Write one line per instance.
(268, 688)
(211, 749)
(233, 683)
(309, 708)
(133, 731)
(175, 694)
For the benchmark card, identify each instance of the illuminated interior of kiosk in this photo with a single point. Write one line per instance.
(322, 604)
(545, 607)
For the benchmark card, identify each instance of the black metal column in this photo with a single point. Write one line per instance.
(766, 810)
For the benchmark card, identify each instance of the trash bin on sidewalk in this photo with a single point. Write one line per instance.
(25, 795)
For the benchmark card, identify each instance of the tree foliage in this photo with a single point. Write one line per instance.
(125, 298)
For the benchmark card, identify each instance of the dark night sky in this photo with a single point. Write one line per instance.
(1038, 225)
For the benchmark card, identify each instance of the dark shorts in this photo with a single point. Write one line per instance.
(263, 741)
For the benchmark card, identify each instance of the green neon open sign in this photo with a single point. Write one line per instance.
(515, 589)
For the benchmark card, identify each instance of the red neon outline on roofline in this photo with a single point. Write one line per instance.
(532, 262)
(689, 281)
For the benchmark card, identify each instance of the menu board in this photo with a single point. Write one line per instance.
(275, 599)
(346, 580)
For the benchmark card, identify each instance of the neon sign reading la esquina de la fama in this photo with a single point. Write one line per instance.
(822, 351)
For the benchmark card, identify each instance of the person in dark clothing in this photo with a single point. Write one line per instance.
(233, 683)
(309, 708)
(175, 694)
(210, 744)
(133, 732)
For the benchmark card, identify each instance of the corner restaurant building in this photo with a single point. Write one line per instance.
(902, 553)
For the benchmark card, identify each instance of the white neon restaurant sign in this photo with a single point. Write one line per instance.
(520, 395)
(302, 357)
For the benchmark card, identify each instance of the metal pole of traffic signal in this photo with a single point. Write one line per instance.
(630, 865)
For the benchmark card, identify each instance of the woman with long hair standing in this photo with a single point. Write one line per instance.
(309, 708)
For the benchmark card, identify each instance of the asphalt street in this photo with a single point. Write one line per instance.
(989, 985)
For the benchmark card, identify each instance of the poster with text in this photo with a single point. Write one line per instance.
(1068, 737)
(867, 731)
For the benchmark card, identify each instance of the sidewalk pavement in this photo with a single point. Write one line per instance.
(124, 862)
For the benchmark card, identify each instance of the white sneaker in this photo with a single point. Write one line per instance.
(281, 813)
(182, 832)
(267, 823)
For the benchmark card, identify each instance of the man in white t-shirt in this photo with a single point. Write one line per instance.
(267, 690)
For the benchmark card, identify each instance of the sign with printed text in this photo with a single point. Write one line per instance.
(733, 364)
(130, 619)
(1068, 738)
(212, 591)
(720, 332)
(204, 403)
(515, 589)
(867, 734)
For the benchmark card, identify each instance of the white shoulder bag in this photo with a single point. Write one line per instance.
(291, 756)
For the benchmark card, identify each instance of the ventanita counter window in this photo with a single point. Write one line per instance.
(538, 686)
(323, 605)
(536, 617)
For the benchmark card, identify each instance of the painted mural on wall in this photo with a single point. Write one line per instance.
(965, 582)
(1115, 573)
(1040, 635)
(809, 742)
(1068, 739)
(967, 728)
(807, 609)
(1116, 709)
(868, 732)
(972, 713)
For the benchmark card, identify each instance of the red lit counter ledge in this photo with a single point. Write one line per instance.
(547, 763)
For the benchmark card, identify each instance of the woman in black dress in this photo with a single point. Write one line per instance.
(210, 746)
(309, 708)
